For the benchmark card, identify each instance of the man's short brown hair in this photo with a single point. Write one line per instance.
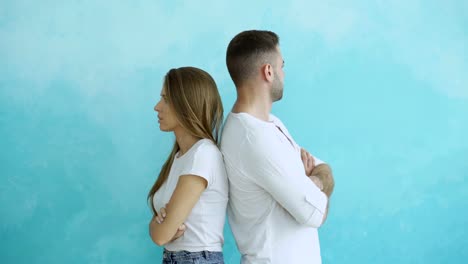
(247, 50)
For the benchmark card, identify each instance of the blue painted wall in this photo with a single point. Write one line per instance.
(378, 89)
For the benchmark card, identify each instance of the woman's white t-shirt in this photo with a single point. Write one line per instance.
(206, 221)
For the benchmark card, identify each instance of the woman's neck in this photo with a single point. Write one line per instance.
(184, 140)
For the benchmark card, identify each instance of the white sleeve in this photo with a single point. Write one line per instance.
(290, 187)
(202, 163)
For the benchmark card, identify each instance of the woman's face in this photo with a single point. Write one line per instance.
(166, 116)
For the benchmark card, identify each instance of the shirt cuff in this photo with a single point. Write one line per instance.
(319, 202)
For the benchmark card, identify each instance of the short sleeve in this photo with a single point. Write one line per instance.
(203, 162)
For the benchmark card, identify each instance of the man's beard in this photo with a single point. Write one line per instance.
(276, 89)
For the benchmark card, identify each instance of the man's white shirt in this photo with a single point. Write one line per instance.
(274, 209)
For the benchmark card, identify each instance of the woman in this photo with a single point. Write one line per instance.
(190, 196)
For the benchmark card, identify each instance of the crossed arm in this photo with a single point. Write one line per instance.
(321, 175)
(168, 224)
(281, 177)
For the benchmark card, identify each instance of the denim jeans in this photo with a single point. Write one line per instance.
(185, 257)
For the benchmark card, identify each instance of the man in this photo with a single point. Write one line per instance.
(276, 203)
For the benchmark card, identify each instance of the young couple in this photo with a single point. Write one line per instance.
(275, 192)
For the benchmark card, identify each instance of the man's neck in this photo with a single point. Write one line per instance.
(254, 103)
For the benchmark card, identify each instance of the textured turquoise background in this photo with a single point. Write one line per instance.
(379, 89)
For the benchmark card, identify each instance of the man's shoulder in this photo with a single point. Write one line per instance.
(276, 121)
(241, 126)
(242, 133)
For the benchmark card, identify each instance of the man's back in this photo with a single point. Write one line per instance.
(274, 209)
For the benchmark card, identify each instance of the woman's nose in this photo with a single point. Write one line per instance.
(156, 107)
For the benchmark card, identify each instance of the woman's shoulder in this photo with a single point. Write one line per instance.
(207, 147)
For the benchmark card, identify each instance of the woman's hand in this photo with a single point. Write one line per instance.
(159, 218)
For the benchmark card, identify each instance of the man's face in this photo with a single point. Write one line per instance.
(278, 80)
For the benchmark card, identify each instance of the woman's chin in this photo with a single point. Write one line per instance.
(164, 129)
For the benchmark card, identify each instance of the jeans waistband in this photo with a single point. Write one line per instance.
(181, 255)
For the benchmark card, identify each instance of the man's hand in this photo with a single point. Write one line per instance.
(308, 161)
(159, 218)
(316, 180)
(324, 173)
(321, 175)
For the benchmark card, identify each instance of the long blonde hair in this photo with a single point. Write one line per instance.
(194, 96)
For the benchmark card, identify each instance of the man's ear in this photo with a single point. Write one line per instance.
(268, 72)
